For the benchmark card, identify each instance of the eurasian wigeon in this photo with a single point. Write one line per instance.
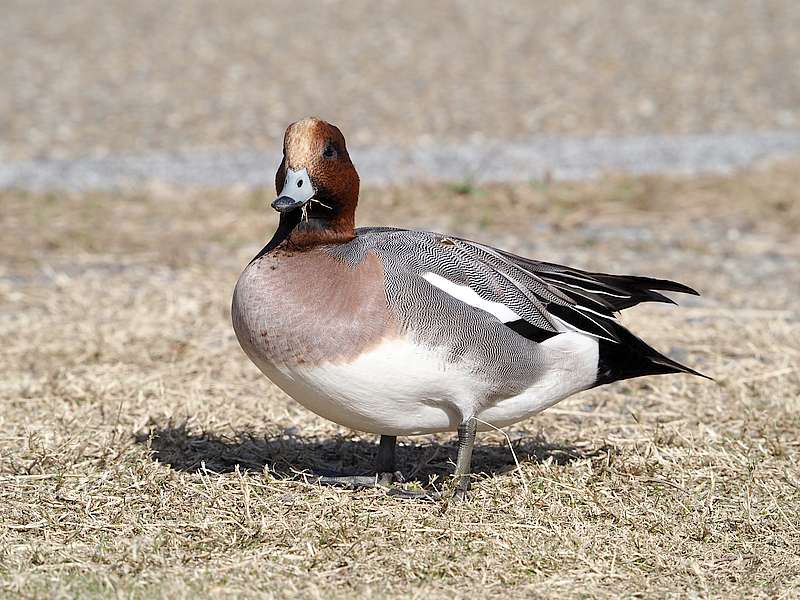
(400, 332)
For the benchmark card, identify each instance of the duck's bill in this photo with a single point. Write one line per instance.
(297, 191)
(285, 204)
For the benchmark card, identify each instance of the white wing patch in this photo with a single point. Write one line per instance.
(469, 296)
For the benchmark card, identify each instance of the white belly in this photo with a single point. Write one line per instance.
(396, 388)
(402, 388)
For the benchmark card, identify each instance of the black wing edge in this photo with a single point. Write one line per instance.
(641, 289)
(614, 292)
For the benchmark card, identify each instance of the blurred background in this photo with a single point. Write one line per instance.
(409, 83)
(143, 455)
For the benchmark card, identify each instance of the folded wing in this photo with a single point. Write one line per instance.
(534, 298)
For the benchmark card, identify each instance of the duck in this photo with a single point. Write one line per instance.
(401, 332)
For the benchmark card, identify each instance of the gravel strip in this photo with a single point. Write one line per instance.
(550, 157)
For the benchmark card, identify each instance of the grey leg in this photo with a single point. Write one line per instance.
(466, 442)
(461, 475)
(384, 467)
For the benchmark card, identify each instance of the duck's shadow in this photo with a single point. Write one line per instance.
(287, 456)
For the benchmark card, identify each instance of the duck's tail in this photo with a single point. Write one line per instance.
(632, 357)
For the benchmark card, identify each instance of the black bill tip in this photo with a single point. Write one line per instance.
(286, 203)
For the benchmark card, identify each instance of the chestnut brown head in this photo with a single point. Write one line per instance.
(317, 184)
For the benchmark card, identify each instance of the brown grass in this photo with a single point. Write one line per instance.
(142, 455)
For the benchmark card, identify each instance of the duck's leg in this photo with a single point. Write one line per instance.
(385, 465)
(466, 442)
(461, 475)
(384, 469)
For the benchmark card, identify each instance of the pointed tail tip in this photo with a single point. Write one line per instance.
(689, 371)
(677, 367)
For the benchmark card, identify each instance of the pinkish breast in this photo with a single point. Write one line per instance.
(308, 308)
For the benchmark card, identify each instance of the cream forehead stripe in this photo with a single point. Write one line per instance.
(297, 186)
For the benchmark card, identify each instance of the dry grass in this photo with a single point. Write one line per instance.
(142, 455)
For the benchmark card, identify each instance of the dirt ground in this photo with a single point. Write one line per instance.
(142, 455)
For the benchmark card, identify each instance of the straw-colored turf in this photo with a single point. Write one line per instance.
(142, 455)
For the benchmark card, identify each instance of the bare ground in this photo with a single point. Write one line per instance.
(142, 455)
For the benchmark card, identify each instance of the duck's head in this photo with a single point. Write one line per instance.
(317, 184)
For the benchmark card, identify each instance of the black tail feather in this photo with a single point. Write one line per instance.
(633, 357)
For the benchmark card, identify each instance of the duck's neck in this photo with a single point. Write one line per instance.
(328, 221)
(315, 231)
(296, 233)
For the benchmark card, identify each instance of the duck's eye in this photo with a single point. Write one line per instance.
(299, 183)
(329, 152)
